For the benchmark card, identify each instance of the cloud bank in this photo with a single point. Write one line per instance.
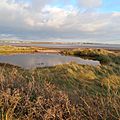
(55, 20)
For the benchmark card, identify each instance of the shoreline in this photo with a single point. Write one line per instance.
(59, 45)
(9, 49)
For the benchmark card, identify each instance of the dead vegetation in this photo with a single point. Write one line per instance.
(63, 92)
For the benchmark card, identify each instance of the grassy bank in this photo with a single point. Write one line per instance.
(104, 56)
(70, 91)
(18, 49)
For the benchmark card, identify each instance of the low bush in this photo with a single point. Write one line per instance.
(103, 59)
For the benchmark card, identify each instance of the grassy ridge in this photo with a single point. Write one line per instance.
(104, 56)
(70, 91)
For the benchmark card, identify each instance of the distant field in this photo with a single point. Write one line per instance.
(63, 92)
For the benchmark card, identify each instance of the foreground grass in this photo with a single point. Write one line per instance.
(71, 91)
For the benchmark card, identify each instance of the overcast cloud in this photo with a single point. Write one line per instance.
(58, 20)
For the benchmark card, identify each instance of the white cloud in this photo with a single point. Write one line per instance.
(22, 20)
(90, 3)
(38, 4)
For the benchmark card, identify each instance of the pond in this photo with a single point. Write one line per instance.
(28, 61)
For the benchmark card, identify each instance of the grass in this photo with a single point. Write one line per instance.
(14, 49)
(104, 56)
(63, 92)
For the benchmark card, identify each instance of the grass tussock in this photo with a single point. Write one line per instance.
(63, 92)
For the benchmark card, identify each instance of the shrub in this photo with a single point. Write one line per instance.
(103, 59)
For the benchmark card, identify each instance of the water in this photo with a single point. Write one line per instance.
(28, 61)
(68, 45)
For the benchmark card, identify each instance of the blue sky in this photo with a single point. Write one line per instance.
(60, 20)
(107, 5)
(110, 6)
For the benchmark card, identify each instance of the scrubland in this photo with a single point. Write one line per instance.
(63, 92)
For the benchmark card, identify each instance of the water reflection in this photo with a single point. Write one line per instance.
(42, 60)
(68, 45)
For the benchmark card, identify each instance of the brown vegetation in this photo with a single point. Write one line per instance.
(63, 92)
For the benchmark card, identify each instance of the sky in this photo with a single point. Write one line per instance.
(96, 21)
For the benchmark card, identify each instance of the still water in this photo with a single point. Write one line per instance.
(68, 45)
(28, 61)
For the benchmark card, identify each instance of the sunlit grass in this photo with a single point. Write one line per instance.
(14, 49)
(69, 91)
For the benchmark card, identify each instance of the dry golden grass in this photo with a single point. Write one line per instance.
(58, 93)
(63, 92)
(17, 49)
